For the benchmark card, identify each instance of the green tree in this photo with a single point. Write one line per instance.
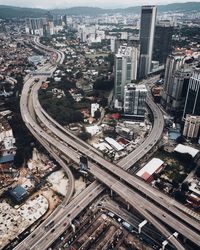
(187, 161)
(103, 84)
(180, 196)
(198, 172)
(97, 114)
(104, 101)
(180, 139)
(79, 75)
(156, 176)
(18, 159)
(184, 187)
(160, 185)
(66, 84)
(175, 183)
(84, 136)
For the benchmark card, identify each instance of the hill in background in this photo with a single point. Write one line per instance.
(14, 12)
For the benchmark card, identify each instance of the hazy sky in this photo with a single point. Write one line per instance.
(94, 3)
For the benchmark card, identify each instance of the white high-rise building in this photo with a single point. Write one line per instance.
(174, 62)
(126, 63)
(147, 31)
(85, 31)
(191, 127)
(112, 44)
(135, 100)
(94, 108)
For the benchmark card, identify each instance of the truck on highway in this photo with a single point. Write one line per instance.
(49, 225)
(110, 214)
(127, 226)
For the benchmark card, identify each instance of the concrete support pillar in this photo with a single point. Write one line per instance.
(128, 206)
(164, 244)
(141, 225)
(73, 226)
(111, 193)
(175, 234)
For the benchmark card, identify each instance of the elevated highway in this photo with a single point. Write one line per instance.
(128, 187)
(119, 187)
(29, 114)
(133, 181)
(60, 55)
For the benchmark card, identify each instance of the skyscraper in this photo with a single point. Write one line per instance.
(135, 100)
(176, 82)
(126, 62)
(176, 94)
(192, 102)
(64, 20)
(147, 30)
(162, 42)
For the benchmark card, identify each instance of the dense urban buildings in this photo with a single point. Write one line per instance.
(45, 26)
(35, 26)
(147, 31)
(93, 159)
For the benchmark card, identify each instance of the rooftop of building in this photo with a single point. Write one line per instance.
(180, 148)
(193, 117)
(124, 50)
(150, 168)
(132, 86)
(18, 193)
(148, 6)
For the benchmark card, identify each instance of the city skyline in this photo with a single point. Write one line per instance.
(48, 4)
(100, 126)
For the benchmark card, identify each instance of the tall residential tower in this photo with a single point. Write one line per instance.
(126, 62)
(175, 83)
(135, 100)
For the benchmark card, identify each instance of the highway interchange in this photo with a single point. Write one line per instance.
(155, 205)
